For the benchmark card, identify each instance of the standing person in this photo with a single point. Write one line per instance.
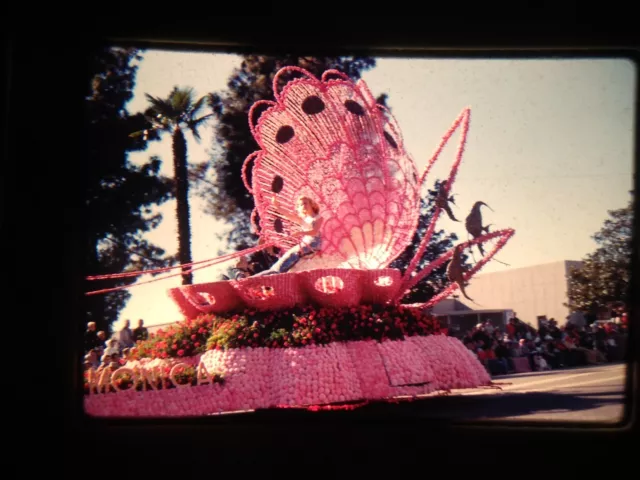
(511, 328)
(101, 343)
(310, 220)
(140, 332)
(504, 356)
(488, 327)
(90, 337)
(125, 336)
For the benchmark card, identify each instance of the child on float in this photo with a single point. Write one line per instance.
(310, 221)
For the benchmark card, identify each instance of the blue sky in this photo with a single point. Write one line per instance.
(550, 148)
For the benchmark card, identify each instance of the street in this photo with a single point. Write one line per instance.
(585, 394)
(593, 394)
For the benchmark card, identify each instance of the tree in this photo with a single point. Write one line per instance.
(227, 197)
(119, 197)
(438, 246)
(171, 114)
(603, 278)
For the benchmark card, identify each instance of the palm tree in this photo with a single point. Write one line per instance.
(171, 115)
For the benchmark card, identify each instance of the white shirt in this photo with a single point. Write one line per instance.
(310, 223)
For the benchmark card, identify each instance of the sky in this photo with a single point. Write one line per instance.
(550, 149)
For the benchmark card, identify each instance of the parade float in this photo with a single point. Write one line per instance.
(331, 330)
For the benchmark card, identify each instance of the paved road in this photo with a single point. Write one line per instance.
(592, 394)
(587, 394)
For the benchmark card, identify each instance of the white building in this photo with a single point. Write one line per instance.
(531, 292)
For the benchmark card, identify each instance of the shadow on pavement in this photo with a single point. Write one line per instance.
(473, 408)
(494, 407)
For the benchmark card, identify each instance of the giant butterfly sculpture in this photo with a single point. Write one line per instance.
(327, 139)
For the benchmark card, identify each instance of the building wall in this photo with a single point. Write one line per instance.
(530, 291)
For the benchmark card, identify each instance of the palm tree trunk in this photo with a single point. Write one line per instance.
(182, 200)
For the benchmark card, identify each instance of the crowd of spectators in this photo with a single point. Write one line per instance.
(516, 347)
(101, 352)
(521, 347)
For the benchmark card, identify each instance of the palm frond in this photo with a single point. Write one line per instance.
(160, 106)
(195, 109)
(194, 131)
(202, 119)
(194, 124)
(181, 99)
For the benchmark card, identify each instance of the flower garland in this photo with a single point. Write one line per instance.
(297, 327)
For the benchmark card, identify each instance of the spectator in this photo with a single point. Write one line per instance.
(511, 328)
(540, 363)
(122, 360)
(552, 354)
(112, 347)
(488, 327)
(90, 337)
(624, 318)
(554, 331)
(503, 355)
(104, 362)
(101, 343)
(87, 365)
(140, 333)
(125, 336)
(568, 346)
(482, 356)
(480, 335)
(114, 362)
(92, 359)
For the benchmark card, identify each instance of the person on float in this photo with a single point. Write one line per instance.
(241, 269)
(310, 220)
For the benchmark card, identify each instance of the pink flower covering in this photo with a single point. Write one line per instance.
(288, 289)
(338, 372)
(327, 139)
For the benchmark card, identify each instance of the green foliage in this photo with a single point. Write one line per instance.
(303, 326)
(184, 339)
(603, 278)
(180, 109)
(295, 327)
